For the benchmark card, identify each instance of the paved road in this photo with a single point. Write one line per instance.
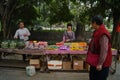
(20, 74)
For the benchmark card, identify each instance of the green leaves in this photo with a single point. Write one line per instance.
(59, 11)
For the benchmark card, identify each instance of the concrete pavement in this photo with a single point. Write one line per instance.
(20, 74)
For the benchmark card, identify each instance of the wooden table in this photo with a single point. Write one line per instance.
(24, 51)
(54, 52)
(44, 52)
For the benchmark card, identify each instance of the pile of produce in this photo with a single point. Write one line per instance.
(12, 44)
(4, 44)
(52, 47)
(20, 44)
(36, 45)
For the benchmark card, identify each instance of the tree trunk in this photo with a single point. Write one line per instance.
(115, 35)
(79, 33)
(5, 26)
(6, 14)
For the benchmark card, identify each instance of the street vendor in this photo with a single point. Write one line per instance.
(68, 35)
(23, 34)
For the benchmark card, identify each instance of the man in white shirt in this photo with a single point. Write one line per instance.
(22, 33)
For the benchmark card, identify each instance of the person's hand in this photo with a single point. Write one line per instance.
(15, 37)
(62, 42)
(68, 40)
(99, 67)
(25, 35)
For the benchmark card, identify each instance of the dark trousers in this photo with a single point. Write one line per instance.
(24, 56)
(98, 75)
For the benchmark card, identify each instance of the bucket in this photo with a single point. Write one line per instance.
(30, 70)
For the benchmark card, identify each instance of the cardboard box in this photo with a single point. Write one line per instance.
(119, 57)
(86, 66)
(78, 64)
(55, 64)
(35, 62)
(67, 65)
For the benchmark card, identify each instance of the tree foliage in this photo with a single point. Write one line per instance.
(11, 11)
(112, 9)
(45, 12)
(59, 11)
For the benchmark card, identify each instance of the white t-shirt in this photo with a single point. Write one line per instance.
(21, 32)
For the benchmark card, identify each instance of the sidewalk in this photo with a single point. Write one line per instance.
(20, 74)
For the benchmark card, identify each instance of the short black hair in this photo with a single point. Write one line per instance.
(98, 19)
(69, 24)
(20, 22)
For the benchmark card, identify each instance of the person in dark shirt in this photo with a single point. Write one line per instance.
(69, 35)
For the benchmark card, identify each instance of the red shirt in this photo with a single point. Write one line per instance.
(118, 28)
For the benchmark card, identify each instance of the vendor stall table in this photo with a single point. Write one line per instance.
(35, 52)
(55, 52)
(75, 52)
(114, 52)
(24, 51)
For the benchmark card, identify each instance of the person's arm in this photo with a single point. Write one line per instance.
(103, 51)
(16, 35)
(28, 32)
(73, 36)
(64, 37)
